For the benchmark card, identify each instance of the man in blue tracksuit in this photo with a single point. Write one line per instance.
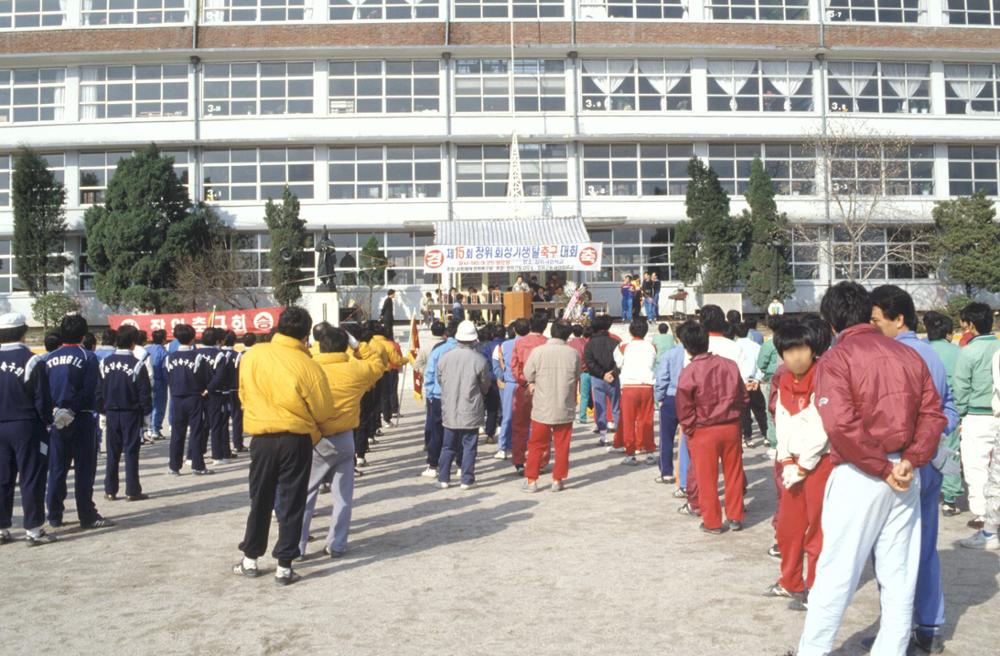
(507, 384)
(894, 314)
(432, 390)
(72, 372)
(668, 372)
(216, 408)
(25, 411)
(157, 356)
(490, 338)
(187, 380)
(125, 397)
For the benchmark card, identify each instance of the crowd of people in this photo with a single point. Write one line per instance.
(871, 430)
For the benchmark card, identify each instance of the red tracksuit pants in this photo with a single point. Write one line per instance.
(521, 428)
(709, 445)
(799, 529)
(637, 419)
(542, 436)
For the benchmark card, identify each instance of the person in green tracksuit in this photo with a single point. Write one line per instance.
(940, 329)
(973, 392)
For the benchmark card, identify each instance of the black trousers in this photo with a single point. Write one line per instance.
(492, 410)
(237, 413)
(279, 466)
(758, 407)
(217, 413)
(387, 398)
(186, 420)
(124, 438)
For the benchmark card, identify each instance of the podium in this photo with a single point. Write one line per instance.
(516, 305)
(324, 306)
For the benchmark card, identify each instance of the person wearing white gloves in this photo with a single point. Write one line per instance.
(803, 452)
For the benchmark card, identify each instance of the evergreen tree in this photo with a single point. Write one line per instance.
(685, 252)
(137, 237)
(39, 221)
(966, 242)
(288, 241)
(719, 237)
(766, 269)
(371, 267)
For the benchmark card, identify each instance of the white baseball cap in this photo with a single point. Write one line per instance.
(466, 332)
(11, 320)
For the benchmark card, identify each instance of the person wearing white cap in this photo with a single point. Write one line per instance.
(25, 411)
(464, 379)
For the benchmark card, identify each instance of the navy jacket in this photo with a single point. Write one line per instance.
(219, 362)
(124, 384)
(187, 372)
(73, 374)
(24, 388)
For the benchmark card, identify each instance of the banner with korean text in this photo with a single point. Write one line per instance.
(584, 256)
(256, 320)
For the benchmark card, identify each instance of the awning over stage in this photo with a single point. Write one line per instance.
(513, 245)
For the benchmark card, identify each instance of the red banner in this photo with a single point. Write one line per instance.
(256, 320)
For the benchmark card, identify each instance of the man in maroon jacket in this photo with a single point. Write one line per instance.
(883, 417)
(710, 399)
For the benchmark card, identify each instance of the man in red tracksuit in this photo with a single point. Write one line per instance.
(710, 399)
(521, 427)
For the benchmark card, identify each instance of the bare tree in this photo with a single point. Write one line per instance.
(866, 173)
(216, 277)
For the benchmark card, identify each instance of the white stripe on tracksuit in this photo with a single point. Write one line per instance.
(863, 516)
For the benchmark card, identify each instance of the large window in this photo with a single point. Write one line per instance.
(96, 170)
(253, 250)
(353, 10)
(806, 243)
(32, 94)
(754, 86)
(144, 91)
(971, 88)
(32, 13)
(385, 172)
(648, 85)
(880, 87)
(5, 169)
(876, 170)
(792, 167)
(972, 12)
(634, 251)
(482, 171)
(498, 8)
(876, 11)
(391, 87)
(640, 9)
(891, 253)
(635, 169)
(483, 85)
(764, 10)
(257, 173)
(134, 12)
(265, 88)
(972, 169)
(264, 11)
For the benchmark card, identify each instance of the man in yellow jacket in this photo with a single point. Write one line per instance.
(287, 407)
(349, 376)
(389, 383)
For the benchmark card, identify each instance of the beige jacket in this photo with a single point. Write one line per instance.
(554, 369)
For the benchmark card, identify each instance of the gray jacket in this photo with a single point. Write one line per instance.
(554, 368)
(464, 377)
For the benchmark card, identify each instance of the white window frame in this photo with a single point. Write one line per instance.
(138, 80)
(632, 164)
(983, 165)
(805, 248)
(383, 74)
(383, 10)
(963, 15)
(48, 14)
(15, 93)
(541, 167)
(264, 162)
(849, 85)
(911, 12)
(499, 9)
(263, 11)
(660, 10)
(757, 10)
(491, 83)
(973, 88)
(372, 167)
(257, 75)
(741, 85)
(626, 85)
(877, 249)
(739, 157)
(869, 171)
(102, 13)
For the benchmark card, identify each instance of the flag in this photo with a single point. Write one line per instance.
(413, 349)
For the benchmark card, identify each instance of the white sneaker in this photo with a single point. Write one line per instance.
(221, 461)
(500, 455)
(468, 486)
(611, 426)
(430, 472)
(443, 485)
(981, 541)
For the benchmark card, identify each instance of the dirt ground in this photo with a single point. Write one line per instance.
(607, 566)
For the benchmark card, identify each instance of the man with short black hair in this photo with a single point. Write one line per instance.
(599, 357)
(25, 411)
(939, 334)
(432, 391)
(287, 409)
(388, 315)
(507, 384)
(72, 372)
(157, 357)
(884, 421)
(973, 391)
(125, 397)
(187, 380)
